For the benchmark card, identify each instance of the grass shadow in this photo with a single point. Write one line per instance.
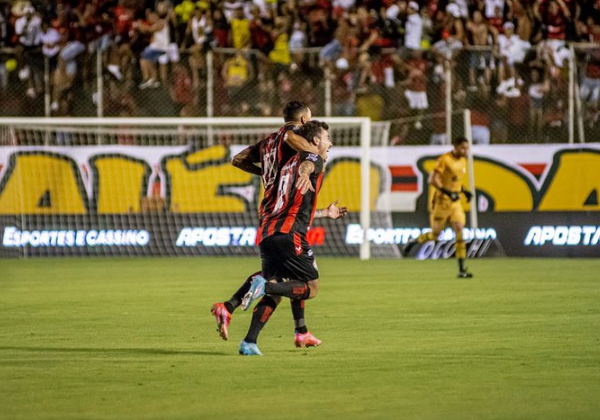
(128, 351)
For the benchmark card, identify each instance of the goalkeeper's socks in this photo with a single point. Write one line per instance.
(260, 316)
(425, 237)
(298, 313)
(236, 299)
(461, 264)
(293, 289)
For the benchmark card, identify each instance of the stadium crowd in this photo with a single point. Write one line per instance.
(388, 59)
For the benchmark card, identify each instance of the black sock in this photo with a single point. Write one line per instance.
(298, 312)
(261, 314)
(461, 265)
(236, 299)
(294, 289)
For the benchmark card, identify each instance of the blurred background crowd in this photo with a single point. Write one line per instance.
(515, 63)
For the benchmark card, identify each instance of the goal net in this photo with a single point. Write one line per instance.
(166, 187)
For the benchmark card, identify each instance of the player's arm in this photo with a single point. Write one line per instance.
(303, 184)
(299, 143)
(332, 211)
(436, 181)
(247, 162)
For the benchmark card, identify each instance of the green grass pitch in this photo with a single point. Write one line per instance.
(134, 339)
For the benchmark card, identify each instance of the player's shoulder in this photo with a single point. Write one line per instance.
(445, 157)
(309, 156)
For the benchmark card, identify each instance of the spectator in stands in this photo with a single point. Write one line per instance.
(416, 85)
(358, 37)
(182, 91)
(413, 27)
(240, 27)
(333, 50)
(28, 29)
(483, 38)
(237, 74)
(446, 50)
(537, 90)
(509, 45)
(221, 29)
(198, 34)
(453, 23)
(280, 54)
(50, 39)
(162, 49)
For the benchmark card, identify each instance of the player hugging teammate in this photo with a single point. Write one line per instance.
(291, 166)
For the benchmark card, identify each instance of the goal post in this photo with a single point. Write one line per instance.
(471, 165)
(122, 176)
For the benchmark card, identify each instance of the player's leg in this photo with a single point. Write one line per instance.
(282, 261)
(260, 316)
(222, 311)
(293, 259)
(302, 336)
(437, 222)
(457, 221)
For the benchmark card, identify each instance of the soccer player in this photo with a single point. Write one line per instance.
(272, 153)
(287, 260)
(447, 179)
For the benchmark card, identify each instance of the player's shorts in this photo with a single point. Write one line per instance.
(288, 256)
(447, 212)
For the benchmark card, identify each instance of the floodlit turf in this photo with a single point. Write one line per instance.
(134, 339)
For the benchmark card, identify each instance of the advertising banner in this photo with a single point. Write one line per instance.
(533, 200)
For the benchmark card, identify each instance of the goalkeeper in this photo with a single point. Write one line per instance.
(447, 179)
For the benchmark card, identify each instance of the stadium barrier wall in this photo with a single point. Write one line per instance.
(533, 200)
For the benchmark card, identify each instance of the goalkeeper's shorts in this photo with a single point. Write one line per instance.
(447, 213)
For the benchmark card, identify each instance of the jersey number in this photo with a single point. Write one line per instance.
(282, 192)
(269, 168)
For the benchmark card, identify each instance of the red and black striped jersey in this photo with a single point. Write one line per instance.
(293, 211)
(272, 152)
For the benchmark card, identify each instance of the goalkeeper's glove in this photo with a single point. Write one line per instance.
(454, 196)
(468, 194)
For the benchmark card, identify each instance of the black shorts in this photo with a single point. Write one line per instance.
(288, 256)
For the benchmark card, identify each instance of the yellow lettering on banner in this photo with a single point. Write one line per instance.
(42, 183)
(122, 182)
(576, 177)
(195, 180)
(508, 189)
(342, 182)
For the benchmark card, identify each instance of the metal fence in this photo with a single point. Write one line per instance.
(542, 94)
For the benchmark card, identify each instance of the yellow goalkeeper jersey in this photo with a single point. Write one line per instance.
(452, 171)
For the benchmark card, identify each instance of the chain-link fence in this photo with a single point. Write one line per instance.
(543, 94)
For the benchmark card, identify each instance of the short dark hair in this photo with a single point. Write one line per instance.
(459, 140)
(312, 129)
(293, 111)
